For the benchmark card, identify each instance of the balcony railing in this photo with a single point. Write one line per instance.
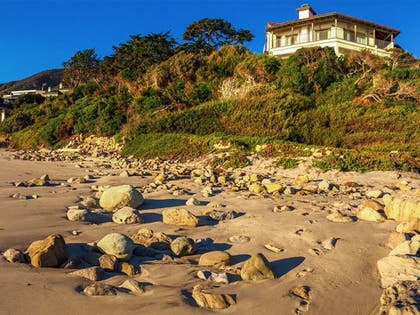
(327, 34)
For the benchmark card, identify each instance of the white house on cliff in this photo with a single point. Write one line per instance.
(341, 32)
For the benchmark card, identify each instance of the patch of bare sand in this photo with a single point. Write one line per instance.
(344, 280)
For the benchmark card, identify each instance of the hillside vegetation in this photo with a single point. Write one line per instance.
(179, 100)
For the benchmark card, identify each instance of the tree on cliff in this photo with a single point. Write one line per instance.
(81, 68)
(209, 34)
(131, 59)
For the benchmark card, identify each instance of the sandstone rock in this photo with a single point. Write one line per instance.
(211, 301)
(179, 216)
(396, 268)
(14, 256)
(119, 245)
(133, 286)
(325, 186)
(337, 217)
(410, 247)
(374, 193)
(402, 208)
(396, 239)
(95, 289)
(127, 268)
(115, 198)
(272, 187)
(48, 252)
(411, 226)
(257, 268)
(124, 174)
(368, 214)
(373, 204)
(273, 248)
(148, 238)
(256, 188)
(77, 214)
(108, 262)
(192, 202)
(215, 258)
(401, 298)
(92, 273)
(301, 179)
(182, 246)
(126, 215)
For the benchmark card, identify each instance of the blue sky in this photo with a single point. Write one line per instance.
(41, 34)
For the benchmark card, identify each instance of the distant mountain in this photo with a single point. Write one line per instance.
(49, 77)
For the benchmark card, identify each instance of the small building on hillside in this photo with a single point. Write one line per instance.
(341, 32)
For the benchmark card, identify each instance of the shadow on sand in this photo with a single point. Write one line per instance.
(283, 266)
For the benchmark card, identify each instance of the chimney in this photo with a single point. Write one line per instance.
(305, 11)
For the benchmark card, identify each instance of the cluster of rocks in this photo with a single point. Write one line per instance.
(400, 270)
(117, 253)
(44, 180)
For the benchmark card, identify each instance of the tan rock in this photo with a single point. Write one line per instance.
(126, 215)
(92, 273)
(402, 208)
(48, 252)
(179, 216)
(396, 239)
(148, 238)
(256, 188)
(211, 301)
(368, 214)
(108, 262)
(273, 187)
(115, 198)
(301, 179)
(133, 286)
(95, 289)
(401, 298)
(410, 247)
(183, 246)
(337, 217)
(398, 268)
(257, 268)
(215, 258)
(127, 268)
(411, 226)
(117, 244)
(373, 204)
(14, 256)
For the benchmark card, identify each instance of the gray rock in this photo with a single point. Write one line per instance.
(95, 289)
(77, 214)
(182, 246)
(119, 245)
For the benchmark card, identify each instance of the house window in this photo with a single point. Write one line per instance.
(322, 35)
(361, 38)
(348, 35)
(292, 39)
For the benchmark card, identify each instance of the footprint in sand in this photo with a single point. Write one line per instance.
(239, 239)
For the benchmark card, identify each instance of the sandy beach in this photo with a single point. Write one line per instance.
(342, 280)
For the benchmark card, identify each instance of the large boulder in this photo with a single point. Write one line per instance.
(48, 252)
(126, 215)
(398, 268)
(211, 301)
(119, 245)
(402, 207)
(257, 268)
(179, 217)
(115, 198)
(410, 247)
